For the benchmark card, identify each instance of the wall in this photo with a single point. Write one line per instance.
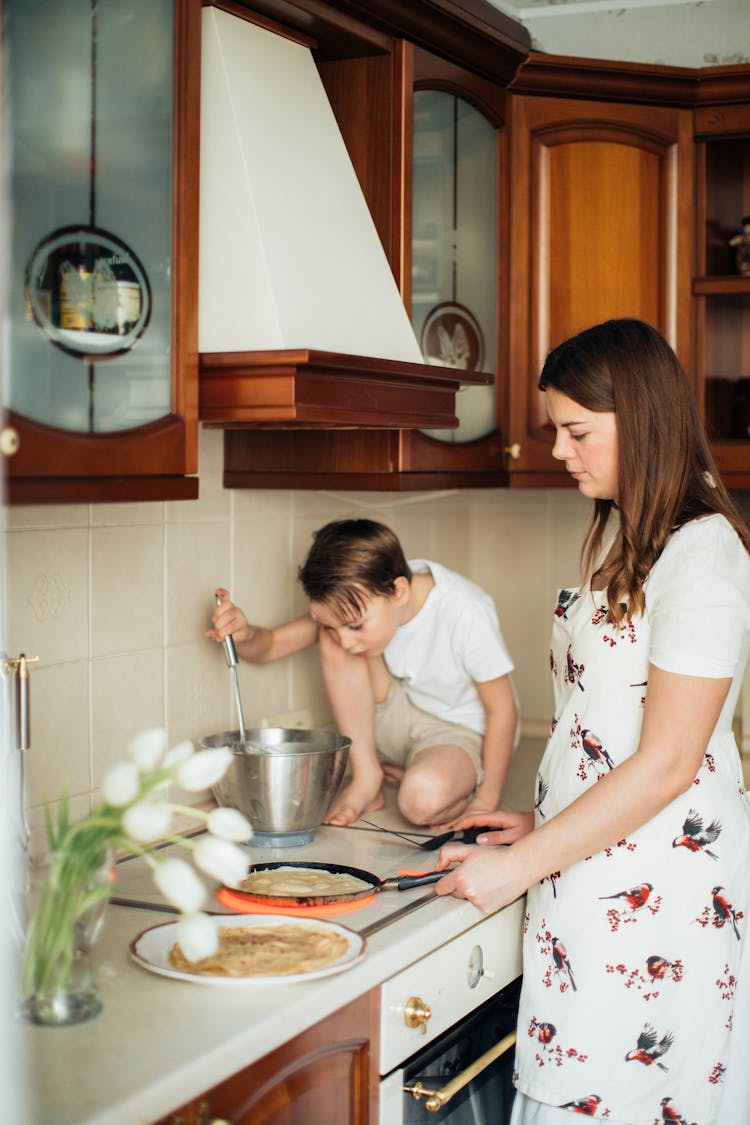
(114, 599)
(675, 32)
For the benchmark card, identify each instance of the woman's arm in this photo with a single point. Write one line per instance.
(681, 713)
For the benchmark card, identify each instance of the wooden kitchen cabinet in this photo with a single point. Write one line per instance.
(595, 219)
(721, 294)
(602, 195)
(329, 1073)
(104, 126)
(373, 97)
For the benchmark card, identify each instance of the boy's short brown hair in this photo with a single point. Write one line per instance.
(351, 560)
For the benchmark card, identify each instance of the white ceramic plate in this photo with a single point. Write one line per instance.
(150, 950)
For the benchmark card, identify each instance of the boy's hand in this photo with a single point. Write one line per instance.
(228, 619)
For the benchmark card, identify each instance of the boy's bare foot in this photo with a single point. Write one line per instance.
(352, 802)
(393, 774)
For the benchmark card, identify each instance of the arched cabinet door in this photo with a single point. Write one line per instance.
(459, 261)
(601, 227)
(101, 116)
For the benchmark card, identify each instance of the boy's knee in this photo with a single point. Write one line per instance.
(421, 798)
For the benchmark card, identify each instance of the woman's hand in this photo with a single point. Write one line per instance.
(508, 826)
(465, 819)
(486, 877)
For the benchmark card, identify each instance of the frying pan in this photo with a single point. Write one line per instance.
(374, 883)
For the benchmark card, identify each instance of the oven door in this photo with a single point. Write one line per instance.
(465, 1077)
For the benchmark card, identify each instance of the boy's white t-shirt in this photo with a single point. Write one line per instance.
(451, 642)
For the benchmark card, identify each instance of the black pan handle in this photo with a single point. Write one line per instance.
(406, 882)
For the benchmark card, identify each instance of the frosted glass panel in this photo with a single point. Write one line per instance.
(87, 128)
(454, 248)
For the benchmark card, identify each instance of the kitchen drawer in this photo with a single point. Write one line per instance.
(451, 981)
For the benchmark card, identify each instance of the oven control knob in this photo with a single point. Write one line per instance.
(475, 968)
(417, 1013)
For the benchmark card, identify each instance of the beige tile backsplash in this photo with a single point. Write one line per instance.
(114, 599)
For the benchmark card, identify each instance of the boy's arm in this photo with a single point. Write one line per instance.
(260, 645)
(255, 643)
(501, 711)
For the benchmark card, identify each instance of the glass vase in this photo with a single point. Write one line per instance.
(58, 984)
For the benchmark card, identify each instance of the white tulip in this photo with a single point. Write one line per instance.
(122, 784)
(229, 824)
(197, 936)
(179, 753)
(180, 885)
(221, 859)
(204, 769)
(147, 820)
(147, 749)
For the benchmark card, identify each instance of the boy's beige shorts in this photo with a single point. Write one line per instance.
(402, 730)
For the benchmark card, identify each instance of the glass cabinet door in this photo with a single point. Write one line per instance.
(454, 249)
(93, 149)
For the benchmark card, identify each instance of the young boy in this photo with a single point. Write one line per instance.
(414, 666)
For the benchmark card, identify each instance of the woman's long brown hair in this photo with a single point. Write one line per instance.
(666, 472)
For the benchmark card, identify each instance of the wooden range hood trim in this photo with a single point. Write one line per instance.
(607, 80)
(469, 33)
(328, 390)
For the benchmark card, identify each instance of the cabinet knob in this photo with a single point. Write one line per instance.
(417, 1013)
(9, 441)
(513, 450)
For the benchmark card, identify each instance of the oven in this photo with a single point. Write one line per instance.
(448, 1026)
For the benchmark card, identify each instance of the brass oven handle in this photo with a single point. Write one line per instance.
(436, 1099)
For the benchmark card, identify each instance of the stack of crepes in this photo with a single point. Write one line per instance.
(266, 950)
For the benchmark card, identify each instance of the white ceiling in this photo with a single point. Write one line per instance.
(676, 32)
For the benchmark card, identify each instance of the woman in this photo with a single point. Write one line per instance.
(637, 857)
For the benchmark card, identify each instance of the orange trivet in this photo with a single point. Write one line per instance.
(245, 904)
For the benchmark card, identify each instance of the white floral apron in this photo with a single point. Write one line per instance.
(631, 956)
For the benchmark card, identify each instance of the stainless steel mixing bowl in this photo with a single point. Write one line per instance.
(283, 780)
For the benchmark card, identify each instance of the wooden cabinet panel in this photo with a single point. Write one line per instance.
(371, 97)
(609, 174)
(601, 217)
(329, 1073)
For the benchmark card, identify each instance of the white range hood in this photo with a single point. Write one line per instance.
(289, 254)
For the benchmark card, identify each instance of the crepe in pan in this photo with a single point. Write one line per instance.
(302, 882)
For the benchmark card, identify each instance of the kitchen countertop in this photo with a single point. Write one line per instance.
(159, 1042)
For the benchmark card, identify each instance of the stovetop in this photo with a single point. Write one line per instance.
(355, 846)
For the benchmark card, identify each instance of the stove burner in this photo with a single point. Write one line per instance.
(246, 904)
